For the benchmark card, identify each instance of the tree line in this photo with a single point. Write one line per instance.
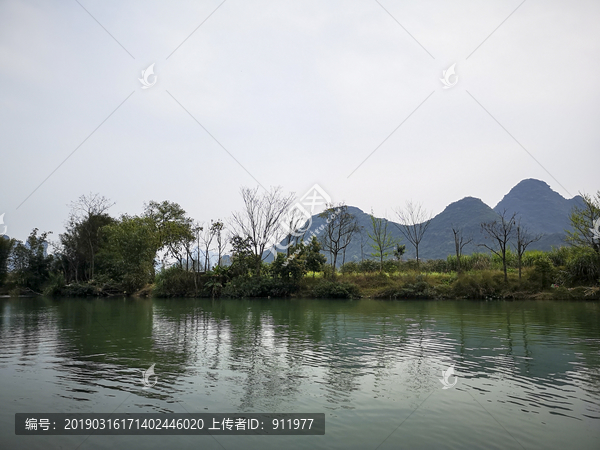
(164, 247)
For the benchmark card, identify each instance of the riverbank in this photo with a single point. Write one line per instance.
(476, 284)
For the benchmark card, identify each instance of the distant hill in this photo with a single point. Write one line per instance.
(467, 214)
(540, 208)
(542, 211)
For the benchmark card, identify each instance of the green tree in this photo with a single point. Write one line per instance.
(129, 253)
(30, 262)
(399, 251)
(6, 246)
(314, 258)
(382, 240)
(172, 229)
(242, 256)
(80, 244)
(82, 240)
(292, 267)
(584, 220)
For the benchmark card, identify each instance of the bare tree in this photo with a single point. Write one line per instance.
(500, 232)
(414, 221)
(87, 214)
(206, 237)
(338, 230)
(523, 241)
(460, 241)
(218, 228)
(260, 221)
(297, 226)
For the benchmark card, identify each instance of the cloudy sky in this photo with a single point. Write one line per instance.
(346, 94)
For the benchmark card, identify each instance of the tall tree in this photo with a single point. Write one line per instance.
(206, 238)
(499, 232)
(260, 222)
(460, 241)
(30, 261)
(82, 240)
(219, 228)
(382, 240)
(314, 258)
(524, 238)
(6, 245)
(172, 228)
(243, 259)
(130, 250)
(414, 221)
(339, 228)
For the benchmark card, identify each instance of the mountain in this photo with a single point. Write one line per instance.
(466, 214)
(540, 208)
(542, 211)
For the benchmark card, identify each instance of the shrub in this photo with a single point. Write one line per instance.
(349, 267)
(559, 256)
(55, 285)
(368, 265)
(390, 266)
(80, 290)
(411, 264)
(435, 265)
(480, 284)
(419, 289)
(583, 266)
(543, 273)
(258, 287)
(479, 261)
(174, 282)
(332, 289)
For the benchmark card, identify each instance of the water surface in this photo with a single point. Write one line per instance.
(528, 373)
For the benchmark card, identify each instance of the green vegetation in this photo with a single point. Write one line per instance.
(163, 252)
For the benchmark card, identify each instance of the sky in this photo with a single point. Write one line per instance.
(349, 95)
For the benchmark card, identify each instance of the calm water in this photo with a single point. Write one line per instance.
(528, 372)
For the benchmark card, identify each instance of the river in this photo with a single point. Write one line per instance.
(526, 374)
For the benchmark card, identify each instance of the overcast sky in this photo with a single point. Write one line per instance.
(292, 93)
